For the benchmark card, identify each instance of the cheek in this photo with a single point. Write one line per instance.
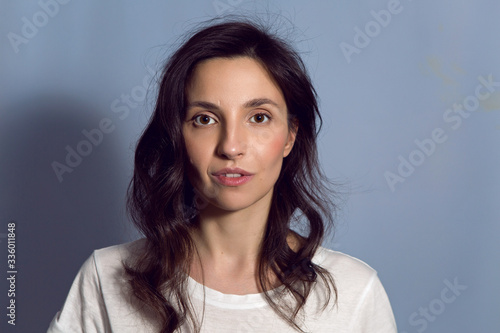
(272, 151)
(277, 146)
(196, 151)
(196, 157)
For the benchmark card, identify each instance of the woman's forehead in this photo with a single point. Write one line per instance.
(230, 78)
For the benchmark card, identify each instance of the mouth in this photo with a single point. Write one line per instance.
(232, 172)
(232, 176)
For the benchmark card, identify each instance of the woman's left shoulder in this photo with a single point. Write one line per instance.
(363, 305)
(343, 266)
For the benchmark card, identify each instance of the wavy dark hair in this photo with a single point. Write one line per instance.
(160, 197)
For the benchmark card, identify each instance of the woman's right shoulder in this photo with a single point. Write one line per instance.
(112, 258)
(100, 298)
(122, 251)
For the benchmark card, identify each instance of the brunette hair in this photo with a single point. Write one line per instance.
(160, 197)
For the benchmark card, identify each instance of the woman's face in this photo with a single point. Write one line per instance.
(236, 133)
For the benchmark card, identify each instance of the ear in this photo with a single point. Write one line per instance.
(292, 134)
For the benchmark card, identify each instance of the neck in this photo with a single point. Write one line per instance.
(228, 245)
(234, 236)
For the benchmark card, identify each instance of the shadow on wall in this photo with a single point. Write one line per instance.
(59, 219)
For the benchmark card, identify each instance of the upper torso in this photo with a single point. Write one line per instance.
(100, 300)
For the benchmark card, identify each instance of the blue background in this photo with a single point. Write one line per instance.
(66, 69)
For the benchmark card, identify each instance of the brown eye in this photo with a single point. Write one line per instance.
(260, 118)
(203, 119)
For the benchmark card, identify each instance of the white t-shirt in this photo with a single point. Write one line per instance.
(100, 300)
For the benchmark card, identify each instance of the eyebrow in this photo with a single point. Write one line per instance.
(256, 102)
(253, 103)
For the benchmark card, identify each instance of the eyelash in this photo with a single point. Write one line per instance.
(257, 114)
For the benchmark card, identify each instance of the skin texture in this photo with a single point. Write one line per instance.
(236, 117)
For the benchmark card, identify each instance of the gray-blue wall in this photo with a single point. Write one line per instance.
(410, 94)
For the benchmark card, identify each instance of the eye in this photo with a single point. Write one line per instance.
(203, 120)
(260, 118)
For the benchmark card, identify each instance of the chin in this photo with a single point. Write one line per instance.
(232, 202)
(231, 205)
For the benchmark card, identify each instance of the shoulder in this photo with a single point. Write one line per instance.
(100, 298)
(121, 252)
(341, 264)
(353, 278)
(108, 262)
(363, 305)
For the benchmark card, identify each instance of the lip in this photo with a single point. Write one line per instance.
(232, 170)
(232, 181)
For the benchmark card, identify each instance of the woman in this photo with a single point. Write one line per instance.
(226, 164)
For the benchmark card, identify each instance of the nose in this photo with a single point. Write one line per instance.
(233, 141)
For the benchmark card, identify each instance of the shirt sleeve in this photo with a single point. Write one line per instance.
(84, 309)
(374, 313)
